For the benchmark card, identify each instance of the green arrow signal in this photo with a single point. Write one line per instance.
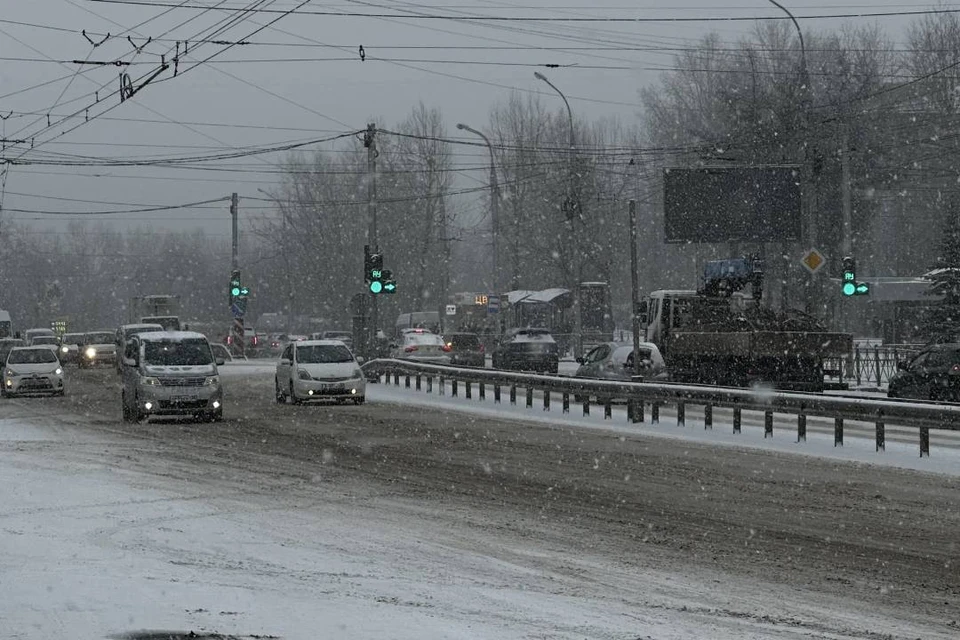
(390, 287)
(863, 288)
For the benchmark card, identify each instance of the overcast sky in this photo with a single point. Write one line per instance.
(302, 78)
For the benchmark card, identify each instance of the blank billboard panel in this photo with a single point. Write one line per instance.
(749, 204)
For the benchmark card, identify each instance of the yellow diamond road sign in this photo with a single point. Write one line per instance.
(813, 260)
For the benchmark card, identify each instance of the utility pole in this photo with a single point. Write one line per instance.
(494, 209)
(635, 287)
(845, 192)
(234, 215)
(370, 142)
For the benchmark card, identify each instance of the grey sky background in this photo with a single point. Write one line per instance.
(263, 94)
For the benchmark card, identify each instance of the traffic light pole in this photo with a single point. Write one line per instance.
(237, 327)
(370, 142)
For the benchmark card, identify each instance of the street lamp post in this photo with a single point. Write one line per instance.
(809, 213)
(574, 213)
(494, 207)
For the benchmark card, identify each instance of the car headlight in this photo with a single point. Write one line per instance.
(58, 371)
(303, 374)
(150, 382)
(11, 373)
(64, 349)
(91, 352)
(211, 381)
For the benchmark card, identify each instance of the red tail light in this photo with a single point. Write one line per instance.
(229, 339)
(410, 349)
(955, 369)
(447, 348)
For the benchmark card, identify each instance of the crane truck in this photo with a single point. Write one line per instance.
(719, 335)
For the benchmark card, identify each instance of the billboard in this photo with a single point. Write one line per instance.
(722, 204)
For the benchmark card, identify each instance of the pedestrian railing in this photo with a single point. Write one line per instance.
(922, 416)
(869, 365)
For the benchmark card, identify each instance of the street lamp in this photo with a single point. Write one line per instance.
(494, 205)
(806, 193)
(573, 211)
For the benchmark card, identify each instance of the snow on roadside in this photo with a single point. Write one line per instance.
(942, 460)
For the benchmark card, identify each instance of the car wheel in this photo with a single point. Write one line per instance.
(214, 416)
(293, 396)
(280, 395)
(359, 399)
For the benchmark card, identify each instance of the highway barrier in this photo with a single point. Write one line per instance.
(922, 416)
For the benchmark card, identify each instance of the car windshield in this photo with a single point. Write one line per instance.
(168, 353)
(31, 356)
(45, 340)
(72, 338)
(99, 337)
(464, 341)
(323, 353)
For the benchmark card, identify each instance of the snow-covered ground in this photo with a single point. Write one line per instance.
(102, 535)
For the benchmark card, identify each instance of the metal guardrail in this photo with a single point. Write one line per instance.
(922, 416)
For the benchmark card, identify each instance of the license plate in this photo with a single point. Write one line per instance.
(335, 386)
(181, 398)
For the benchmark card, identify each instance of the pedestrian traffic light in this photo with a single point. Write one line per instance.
(848, 283)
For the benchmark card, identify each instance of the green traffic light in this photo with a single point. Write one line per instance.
(849, 289)
(376, 286)
(235, 291)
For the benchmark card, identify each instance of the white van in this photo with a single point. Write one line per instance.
(30, 334)
(171, 373)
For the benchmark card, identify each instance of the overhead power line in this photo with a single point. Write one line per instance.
(551, 18)
(187, 205)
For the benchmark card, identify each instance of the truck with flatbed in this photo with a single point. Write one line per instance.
(155, 309)
(718, 335)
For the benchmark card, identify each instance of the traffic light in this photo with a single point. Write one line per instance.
(235, 286)
(848, 283)
(389, 284)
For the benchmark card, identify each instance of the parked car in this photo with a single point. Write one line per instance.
(126, 331)
(32, 370)
(6, 344)
(70, 348)
(98, 348)
(319, 370)
(932, 374)
(466, 349)
(170, 373)
(527, 350)
(420, 345)
(30, 334)
(614, 361)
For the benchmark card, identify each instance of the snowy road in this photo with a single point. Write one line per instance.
(386, 521)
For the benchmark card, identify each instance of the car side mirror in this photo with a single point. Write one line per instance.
(130, 362)
(580, 360)
(360, 360)
(284, 360)
(643, 310)
(220, 361)
(394, 345)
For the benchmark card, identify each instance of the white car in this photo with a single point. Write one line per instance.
(32, 370)
(318, 370)
(420, 345)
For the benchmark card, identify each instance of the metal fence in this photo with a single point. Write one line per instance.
(640, 395)
(870, 365)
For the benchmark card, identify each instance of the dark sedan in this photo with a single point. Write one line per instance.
(933, 374)
(527, 350)
(466, 349)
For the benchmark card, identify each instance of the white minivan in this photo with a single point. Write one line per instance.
(171, 373)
